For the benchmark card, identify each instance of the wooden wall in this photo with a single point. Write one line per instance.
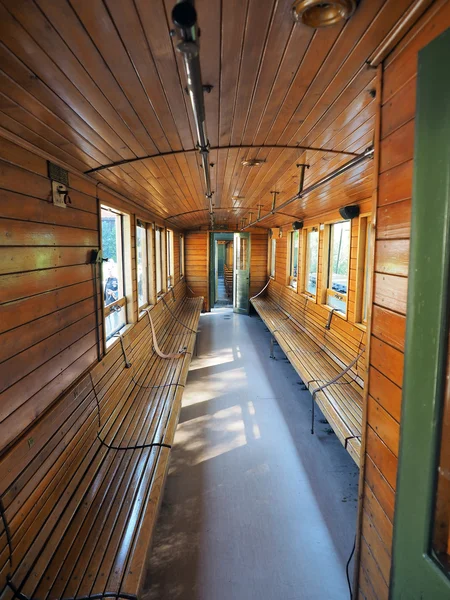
(258, 262)
(197, 262)
(389, 302)
(196, 259)
(47, 309)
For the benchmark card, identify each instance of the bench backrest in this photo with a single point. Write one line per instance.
(37, 465)
(343, 341)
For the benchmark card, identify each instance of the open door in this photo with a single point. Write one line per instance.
(421, 553)
(241, 273)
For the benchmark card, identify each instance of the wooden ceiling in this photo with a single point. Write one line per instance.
(93, 82)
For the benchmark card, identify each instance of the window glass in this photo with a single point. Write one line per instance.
(113, 282)
(158, 260)
(273, 251)
(181, 255)
(311, 260)
(242, 253)
(169, 255)
(142, 264)
(338, 265)
(293, 261)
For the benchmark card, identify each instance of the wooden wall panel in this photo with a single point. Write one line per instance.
(47, 309)
(258, 262)
(389, 309)
(196, 259)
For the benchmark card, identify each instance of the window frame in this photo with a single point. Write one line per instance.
(181, 256)
(170, 268)
(291, 279)
(363, 267)
(272, 256)
(326, 290)
(305, 271)
(146, 263)
(159, 261)
(125, 301)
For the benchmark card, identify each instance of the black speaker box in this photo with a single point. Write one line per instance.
(297, 225)
(349, 212)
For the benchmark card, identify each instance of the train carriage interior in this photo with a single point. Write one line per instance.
(224, 299)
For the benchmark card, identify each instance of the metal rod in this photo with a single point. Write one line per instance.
(184, 17)
(368, 153)
(127, 161)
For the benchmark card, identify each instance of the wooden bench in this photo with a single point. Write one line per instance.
(81, 489)
(332, 378)
(228, 277)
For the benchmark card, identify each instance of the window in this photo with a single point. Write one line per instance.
(363, 269)
(311, 260)
(142, 264)
(169, 256)
(181, 255)
(272, 256)
(293, 259)
(113, 271)
(338, 265)
(159, 260)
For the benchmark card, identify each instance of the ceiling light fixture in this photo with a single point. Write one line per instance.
(253, 162)
(316, 13)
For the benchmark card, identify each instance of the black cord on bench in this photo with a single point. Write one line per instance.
(7, 530)
(176, 319)
(137, 447)
(99, 596)
(96, 399)
(350, 437)
(346, 569)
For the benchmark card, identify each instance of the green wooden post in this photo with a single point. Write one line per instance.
(416, 574)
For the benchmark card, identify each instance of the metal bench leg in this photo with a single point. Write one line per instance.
(313, 407)
(272, 355)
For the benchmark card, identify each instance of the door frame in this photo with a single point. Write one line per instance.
(236, 245)
(416, 574)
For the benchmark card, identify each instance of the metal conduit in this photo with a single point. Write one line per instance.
(368, 153)
(184, 17)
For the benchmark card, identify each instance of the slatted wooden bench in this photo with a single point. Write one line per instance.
(331, 378)
(228, 276)
(81, 489)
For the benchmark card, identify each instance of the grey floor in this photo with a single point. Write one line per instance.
(222, 298)
(255, 507)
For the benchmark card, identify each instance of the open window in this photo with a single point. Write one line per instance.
(311, 259)
(142, 264)
(338, 267)
(272, 256)
(159, 260)
(113, 271)
(293, 258)
(363, 269)
(181, 255)
(169, 258)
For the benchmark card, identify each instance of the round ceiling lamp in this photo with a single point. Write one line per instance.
(253, 162)
(315, 13)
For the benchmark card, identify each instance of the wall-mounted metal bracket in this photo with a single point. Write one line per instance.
(302, 167)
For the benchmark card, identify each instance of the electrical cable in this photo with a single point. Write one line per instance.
(137, 447)
(176, 319)
(346, 569)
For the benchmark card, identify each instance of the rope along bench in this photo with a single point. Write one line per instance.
(82, 488)
(335, 387)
